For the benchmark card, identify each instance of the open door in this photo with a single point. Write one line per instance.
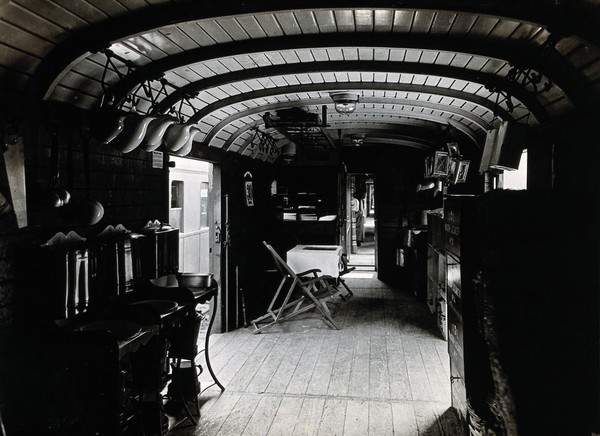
(361, 242)
(195, 199)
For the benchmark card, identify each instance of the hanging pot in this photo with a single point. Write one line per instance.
(89, 211)
(107, 125)
(177, 135)
(156, 131)
(133, 133)
(187, 147)
(55, 195)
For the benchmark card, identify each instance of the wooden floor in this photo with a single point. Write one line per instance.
(385, 372)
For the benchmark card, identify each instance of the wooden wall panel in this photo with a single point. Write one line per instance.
(131, 191)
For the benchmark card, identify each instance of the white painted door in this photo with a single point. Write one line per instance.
(190, 181)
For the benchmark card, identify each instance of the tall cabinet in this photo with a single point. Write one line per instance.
(436, 272)
(468, 366)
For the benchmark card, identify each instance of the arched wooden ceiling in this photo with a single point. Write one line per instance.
(417, 67)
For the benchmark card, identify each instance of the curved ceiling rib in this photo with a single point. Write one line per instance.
(224, 65)
(500, 55)
(488, 81)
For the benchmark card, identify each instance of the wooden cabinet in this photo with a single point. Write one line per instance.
(459, 231)
(436, 273)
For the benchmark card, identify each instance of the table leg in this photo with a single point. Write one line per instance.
(206, 346)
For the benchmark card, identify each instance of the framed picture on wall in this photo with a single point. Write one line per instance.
(249, 193)
(463, 169)
(441, 163)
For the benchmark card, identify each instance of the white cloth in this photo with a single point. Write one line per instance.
(324, 257)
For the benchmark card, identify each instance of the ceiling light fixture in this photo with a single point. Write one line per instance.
(345, 102)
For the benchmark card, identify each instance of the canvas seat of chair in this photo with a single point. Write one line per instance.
(298, 293)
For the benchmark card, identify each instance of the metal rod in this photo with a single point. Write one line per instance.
(226, 262)
(237, 296)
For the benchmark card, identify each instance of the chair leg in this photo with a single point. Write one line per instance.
(343, 282)
(321, 306)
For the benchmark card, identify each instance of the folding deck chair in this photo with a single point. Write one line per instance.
(343, 271)
(300, 292)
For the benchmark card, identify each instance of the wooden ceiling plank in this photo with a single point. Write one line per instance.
(344, 20)
(504, 29)
(36, 24)
(83, 10)
(288, 23)
(384, 20)
(274, 58)
(161, 43)
(217, 67)
(305, 55)
(463, 24)
(233, 28)
(335, 54)
(320, 54)
(364, 20)
(381, 54)
(251, 26)
(365, 54)
(413, 55)
(215, 31)
(307, 21)
(54, 13)
(196, 33)
(350, 53)
(270, 25)
(231, 64)
(112, 8)
(428, 56)
(403, 21)
(177, 36)
(24, 41)
(423, 21)
(133, 4)
(325, 21)
(20, 62)
(443, 22)
(483, 26)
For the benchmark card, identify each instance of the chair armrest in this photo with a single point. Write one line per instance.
(310, 271)
(347, 270)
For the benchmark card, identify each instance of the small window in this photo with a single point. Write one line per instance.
(176, 194)
(204, 204)
(517, 179)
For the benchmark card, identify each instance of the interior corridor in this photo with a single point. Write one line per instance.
(386, 371)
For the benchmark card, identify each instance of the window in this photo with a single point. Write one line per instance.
(517, 179)
(176, 212)
(176, 193)
(204, 204)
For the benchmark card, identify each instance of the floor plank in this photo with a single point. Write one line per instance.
(287, 415)
(357, 418)
(263, 416)
(380, 419)
(309, 417)
(386, 371)
(333, 417)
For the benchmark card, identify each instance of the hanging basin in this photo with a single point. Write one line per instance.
(176, 136)
(194, 280)
(156, 132)
(120, 329)
(133, 133)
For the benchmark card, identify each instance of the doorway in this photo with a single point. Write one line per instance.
(362, 249)
(190, 182)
